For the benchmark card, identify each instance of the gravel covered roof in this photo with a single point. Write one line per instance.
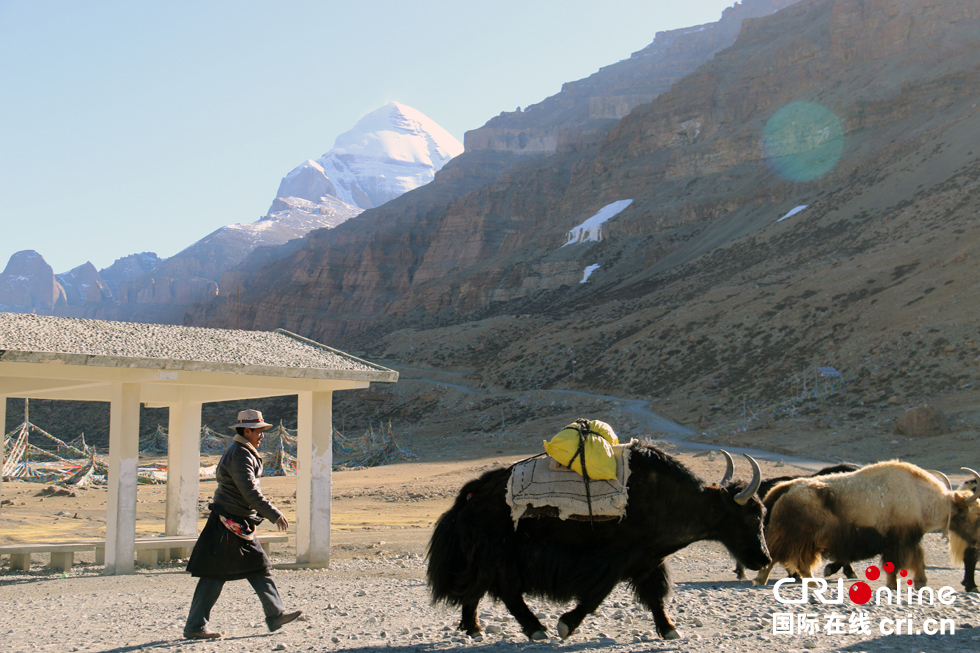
(99, 342)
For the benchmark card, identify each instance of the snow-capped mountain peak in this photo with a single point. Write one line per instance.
(398, 133)
(390, 151)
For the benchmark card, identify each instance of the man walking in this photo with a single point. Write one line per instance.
(228, 548)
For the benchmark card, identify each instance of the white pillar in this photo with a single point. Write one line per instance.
(183, 468)
(315, 430)
(120, 529)
(3, 434)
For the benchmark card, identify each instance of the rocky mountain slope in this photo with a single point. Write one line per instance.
(484, 204)
(864, 113)
(127, 268)
(164, 293)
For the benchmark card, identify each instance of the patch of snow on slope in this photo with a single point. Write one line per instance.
(793, 212)
(591, 229)
(588, 272)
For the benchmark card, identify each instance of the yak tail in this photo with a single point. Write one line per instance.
(459, 544)
(446, 560)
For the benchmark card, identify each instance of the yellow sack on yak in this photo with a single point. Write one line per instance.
(600, 461)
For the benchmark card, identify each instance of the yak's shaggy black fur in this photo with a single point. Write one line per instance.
(475, 549)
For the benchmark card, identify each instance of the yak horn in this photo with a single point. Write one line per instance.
(729, 468)
(949, 484)
(743, 497)
(976, 493)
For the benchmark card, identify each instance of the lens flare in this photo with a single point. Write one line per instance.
(802, 141)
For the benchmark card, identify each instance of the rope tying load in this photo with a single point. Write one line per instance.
(585, 447)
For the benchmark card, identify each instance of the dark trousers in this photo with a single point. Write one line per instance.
(209, 589)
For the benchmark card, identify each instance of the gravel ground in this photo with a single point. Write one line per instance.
(381, 603)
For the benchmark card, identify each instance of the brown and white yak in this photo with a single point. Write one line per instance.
(476, 550)
(882, 509)
(769, 483)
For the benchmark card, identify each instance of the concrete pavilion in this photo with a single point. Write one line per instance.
(182, 368)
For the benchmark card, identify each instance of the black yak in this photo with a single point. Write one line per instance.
(769, 483)
(883, 509)
(476, 550)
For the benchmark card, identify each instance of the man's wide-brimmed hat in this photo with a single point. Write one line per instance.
(251, 419)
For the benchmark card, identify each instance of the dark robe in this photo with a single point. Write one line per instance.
(220, 553)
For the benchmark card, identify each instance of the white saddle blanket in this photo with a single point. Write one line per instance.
(541, 482)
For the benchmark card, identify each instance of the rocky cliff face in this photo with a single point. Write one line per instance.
(84, 284)
(862, 112)
(127, 268)
(501, 207)
(28, 284)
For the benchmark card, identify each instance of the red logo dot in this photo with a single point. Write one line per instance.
(903, 573)
(860, 593)
(889, 567)
(872, 573)
(909, 581)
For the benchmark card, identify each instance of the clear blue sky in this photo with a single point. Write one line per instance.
(129, 126)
